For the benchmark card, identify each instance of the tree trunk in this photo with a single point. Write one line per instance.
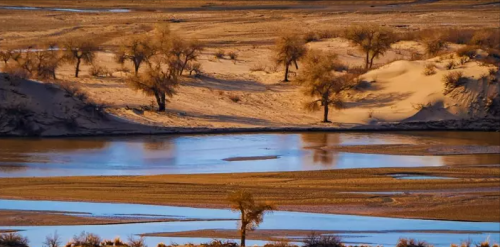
(367, 61)
(160, 100)
(325, 114)
(243, 235)
(77, 70)
(296, 65)
(184, 66)
(286, 72)
(371, 61)
(137, 64)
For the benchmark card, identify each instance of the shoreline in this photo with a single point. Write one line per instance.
(488, 125)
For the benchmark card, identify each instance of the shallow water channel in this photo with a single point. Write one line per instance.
(353, 229)
(188, 154)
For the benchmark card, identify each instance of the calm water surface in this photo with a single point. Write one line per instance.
(206, 153)
(363, 226)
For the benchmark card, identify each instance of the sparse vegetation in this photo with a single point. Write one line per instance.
(220, 54)
(12, 239)
(77, 51)
(434, 44)
(52, 240)
(288, 50)
(453, 80)
(405, 242)
(233, 55)
(316, 240)
(430, 69)
(251, 212)
(450, 65)
(467, 51)
(373, 41)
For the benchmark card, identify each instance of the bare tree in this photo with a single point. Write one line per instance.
(374, 41)
(288, 50)
(52, 240)
(159, 80)
(5, 56)
(323, 79)
(137, 50)
(252, 213)
(77, 51)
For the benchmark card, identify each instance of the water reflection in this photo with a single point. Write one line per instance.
(369, 230)
(206, 153)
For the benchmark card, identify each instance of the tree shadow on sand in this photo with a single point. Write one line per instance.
(380, 100)
(228, 85)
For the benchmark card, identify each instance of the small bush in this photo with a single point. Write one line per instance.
(233, 55)
(453, 80)
(219, 243)
(311, 37)
(467, 51)
(315, 240)
(430, 69)
(136, 242)
(464, 60)
(450, 65)
(86, 240)
(257, 67)
(161, 245)
(486, 38)
(281, 243)
(220, 54)
(52, 240)
(13, 239)
(234, 98)
(72, 90)
(434, 45)
(99, 71)
(404, 242)
(16, 74)
(194, 68)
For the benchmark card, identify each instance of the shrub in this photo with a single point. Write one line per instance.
(311, 36)
(234, 98)
(430, 69)
(136, 242)
(404, 242)
(258, 67)
(450, 65)
(315, 240)
(486, 38)
(233, 55)
(86, 239)
(219, 243)
(99, 71)
(13, 239)
(453, 80)
(118, 242)
(161, 245)
(194, 68)
(220, 54)
(281, 243)
(434, 45)
(467, 51)
(464, 60)
(16, 74)
(52, 240)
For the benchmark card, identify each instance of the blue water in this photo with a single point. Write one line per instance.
(188, 154)
(362, 225)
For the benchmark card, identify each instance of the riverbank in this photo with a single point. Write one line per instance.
(474, 189)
